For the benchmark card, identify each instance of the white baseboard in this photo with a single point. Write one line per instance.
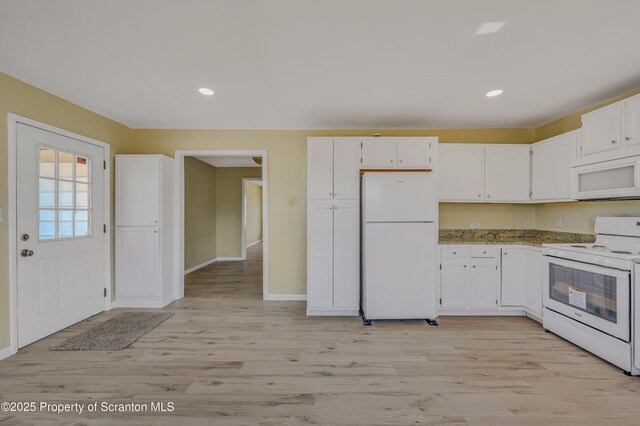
(6, 352)
(230, 259)
(202, 265)
(254, 243)
(137, 303)
(282, 297)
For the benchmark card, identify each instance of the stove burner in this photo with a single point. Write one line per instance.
(578, 246)
(620, 252)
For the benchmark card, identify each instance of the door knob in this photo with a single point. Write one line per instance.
(24, 237)
(26, 253)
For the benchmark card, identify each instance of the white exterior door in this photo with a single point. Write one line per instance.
(514, 262)
(632, 121)
(551, 172)
(461, 172)
(60, 219)
(414, 153)
(379, 153)
(346, 255)
(601, 129)
(484, 279)
(320, 255)
(320, 168)
(454, 284)
(346, 169)
(507, 173)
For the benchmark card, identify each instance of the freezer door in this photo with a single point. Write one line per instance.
(399, 197)
(399, 270)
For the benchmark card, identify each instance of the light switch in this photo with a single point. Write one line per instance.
(291, 201)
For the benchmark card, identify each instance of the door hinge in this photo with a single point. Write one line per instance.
(104, 228)
(496, 301)
(441, 301)
(531, 152)
(496, 267)
(104, 165)
(105, 292)
(530, 194)
(441, 266)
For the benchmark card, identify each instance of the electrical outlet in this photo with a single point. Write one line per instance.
(291, 201)
(475, 226)
(558, 222)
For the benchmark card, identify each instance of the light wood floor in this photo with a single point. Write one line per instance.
(227, 357)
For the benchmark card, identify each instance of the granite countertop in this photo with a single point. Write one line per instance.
(528, 237)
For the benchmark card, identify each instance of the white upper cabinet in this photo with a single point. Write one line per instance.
(320, 168)
(631, 119)
(507, 173)
(346, 168)
(601, 129)
(550, 162)
(379, 153)
(138, 190)
(415, 153)
(461, 172)
(333, 168)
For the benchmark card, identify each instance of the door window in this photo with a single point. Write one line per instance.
(64, 190)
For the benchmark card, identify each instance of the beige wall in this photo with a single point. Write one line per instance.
(578, 217)
(489, 216)
(28, 101)
(253, 194)
(229, 213)
(199, 212)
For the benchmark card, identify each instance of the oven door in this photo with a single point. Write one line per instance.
(594, 295)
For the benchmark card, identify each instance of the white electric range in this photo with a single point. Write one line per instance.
(589, 290)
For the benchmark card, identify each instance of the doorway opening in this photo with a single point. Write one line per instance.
(223, 209)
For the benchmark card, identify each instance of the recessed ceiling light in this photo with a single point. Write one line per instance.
(489, 28)
(205, 91)
(493, 93)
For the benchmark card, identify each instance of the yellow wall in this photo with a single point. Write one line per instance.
(28, 101)
(253, 201)
(229, 208)
(489, 216)
(199, 212)
(578, 217)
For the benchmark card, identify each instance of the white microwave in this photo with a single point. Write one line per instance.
(608, 179)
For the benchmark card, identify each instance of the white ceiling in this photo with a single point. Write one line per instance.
(229, 161)
(302, 64)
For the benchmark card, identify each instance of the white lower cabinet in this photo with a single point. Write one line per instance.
(480, 279)
(333, 258)
(469, 278)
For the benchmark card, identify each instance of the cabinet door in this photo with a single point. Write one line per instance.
(601, 129)
(461, 173)
(138, 262)
(533, 283)
(414, 153)
(320, 168)
(484, 282)
(320, 255)
(551, 172)
(138, 190)
(346, 255)
(346, 169)
(632, 121)
(454, 284)
(507, 172)
(514, 263)
(379, 153)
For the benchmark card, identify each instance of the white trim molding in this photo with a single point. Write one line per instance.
(254, 243)
(179, 156)
(200, 266)
(6, 352)
(12, 179)
(282, 297)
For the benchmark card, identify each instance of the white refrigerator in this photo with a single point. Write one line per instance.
(399, 243)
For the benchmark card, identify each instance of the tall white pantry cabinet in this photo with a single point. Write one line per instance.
(146, 207)
(333, 226)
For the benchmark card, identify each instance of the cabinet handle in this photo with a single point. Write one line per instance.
(488, 196)
(505, 253)
(391, 161)
(335, 207)
(400, 161)
(484, 252)
(465, 266)
(627, 138)
(613, 141)
(455, 252)
(331, 194)
(335, 194)
(474, 266)
(479, 195)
